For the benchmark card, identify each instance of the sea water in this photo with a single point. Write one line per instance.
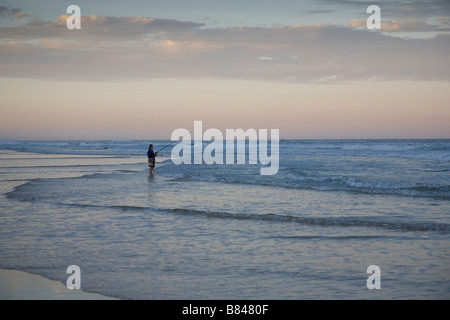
(334, 208)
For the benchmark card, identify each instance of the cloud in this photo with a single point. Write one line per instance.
(403, 9)
(99, 27)
(262, 58)
(120, 48)
(444, 21)
(12, 13)
(408, 25)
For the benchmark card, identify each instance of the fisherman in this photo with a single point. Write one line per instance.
(151, 158)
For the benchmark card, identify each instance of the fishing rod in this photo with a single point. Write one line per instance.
(174, 142)
(168, 145)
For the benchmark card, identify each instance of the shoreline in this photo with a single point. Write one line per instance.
(20, 285)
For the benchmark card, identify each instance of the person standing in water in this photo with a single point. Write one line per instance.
(151, 158)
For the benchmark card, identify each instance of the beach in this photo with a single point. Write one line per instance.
(334, 208)
(18, 285)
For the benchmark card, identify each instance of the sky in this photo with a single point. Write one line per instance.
(141, 69)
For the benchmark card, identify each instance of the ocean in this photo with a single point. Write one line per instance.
(201, 231)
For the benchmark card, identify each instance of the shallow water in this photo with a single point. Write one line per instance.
(226, 232)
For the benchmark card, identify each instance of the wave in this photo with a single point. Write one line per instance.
(57, 166)
(321, 221)
(438, 150)
(381, 147)
(421, 149)
(303, 181)
(94, 147)
(368, 222)
(386, 222)
(328, 237)
(117, 207)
